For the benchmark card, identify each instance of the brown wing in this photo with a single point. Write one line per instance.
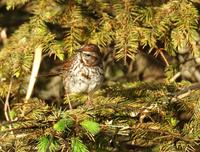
(57, 68)
(67, 64)
(64, 66)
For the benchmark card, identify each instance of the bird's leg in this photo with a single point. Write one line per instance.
(89, 100)
(68, 99)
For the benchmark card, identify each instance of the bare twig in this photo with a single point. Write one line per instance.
(195, 86)
(167, 133)
(34, 73)
(164, 58)
(185, 92)
(175, 77)
(159, 51)
(13, 122)
(6, 104)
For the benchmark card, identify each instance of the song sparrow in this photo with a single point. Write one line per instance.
(84, 72)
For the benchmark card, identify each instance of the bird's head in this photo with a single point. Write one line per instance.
(90, 55)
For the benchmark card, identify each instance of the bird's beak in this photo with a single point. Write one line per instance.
(78, 50)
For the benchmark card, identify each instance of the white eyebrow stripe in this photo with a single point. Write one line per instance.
(91, 53)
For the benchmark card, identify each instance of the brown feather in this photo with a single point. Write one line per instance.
(65, 66)
(91, 48)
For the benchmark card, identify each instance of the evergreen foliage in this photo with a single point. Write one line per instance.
(126, 116)
(78, 146)
(62, 124)
(92, 127)
(47, 144)
(142, 114)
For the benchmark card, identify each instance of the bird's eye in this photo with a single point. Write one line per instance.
(87, 55)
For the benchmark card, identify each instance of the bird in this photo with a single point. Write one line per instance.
(84, 72)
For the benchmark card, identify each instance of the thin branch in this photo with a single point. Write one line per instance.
(185, 92)
(167, 133)
(36, 125)
(164, 58)
(21, 129)
(159, 51)
(34, 73)
(14, 121)
(7, 105)
(175, 77)
(195, 86)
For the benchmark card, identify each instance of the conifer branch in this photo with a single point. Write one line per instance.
(153, 116)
